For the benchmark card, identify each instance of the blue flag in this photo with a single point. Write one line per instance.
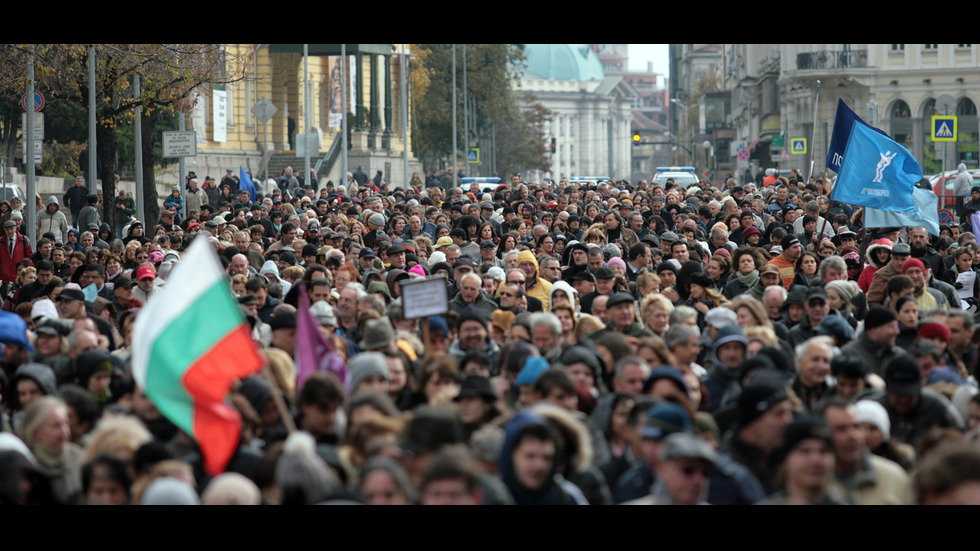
(244, 182)
(876, 172)
(843, 122)
(927, 214)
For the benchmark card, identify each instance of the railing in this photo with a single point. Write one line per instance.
(331, 157)
(842, 59)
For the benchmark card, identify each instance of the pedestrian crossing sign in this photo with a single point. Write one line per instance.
(944, 128)
(797, 146)
(473, 155)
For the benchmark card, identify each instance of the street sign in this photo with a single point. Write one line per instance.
(743, 154)
(944, 128)
(38, 125)
(778, 141)
(783, 155)
(180, 144)
(473, 155)
(945, 216)
(38, 102)
(264, 109)
(798, 146)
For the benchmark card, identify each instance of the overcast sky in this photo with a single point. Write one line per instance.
(641, 53)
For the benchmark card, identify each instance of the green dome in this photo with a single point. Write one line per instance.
(563, 62)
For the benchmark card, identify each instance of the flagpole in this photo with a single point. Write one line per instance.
(813, 137)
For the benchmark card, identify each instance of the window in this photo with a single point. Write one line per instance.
(897, 48)
(964, 46)
(930, 47)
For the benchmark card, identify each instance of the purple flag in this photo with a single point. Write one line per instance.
(313, 350)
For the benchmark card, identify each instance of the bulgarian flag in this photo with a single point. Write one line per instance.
(190, 343)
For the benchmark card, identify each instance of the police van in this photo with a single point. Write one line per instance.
(683, 176)
(488, 183)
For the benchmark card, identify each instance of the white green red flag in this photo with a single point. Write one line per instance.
(190, 342)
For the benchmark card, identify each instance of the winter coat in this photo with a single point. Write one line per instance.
(964, 182)
(88, 215)
(56, 223)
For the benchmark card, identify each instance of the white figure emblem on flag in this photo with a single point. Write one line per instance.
(883, 164)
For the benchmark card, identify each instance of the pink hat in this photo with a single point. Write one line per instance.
(616, 261)
(417, 270)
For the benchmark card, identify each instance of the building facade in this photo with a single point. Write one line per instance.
(591, 112)
(780, 90)
(231, 131)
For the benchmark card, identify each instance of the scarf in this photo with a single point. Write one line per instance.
(747, 279)
(50, 457)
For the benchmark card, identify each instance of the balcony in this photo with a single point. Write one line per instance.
(839, 59)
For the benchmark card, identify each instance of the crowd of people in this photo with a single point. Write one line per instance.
(604, 342)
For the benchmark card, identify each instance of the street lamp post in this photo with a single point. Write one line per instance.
(687, 121)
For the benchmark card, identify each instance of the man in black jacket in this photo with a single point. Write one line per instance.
(75, 199)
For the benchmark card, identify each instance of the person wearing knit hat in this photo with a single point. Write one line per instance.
(875, 342)
(763, 412)
(786, 259)
(936, 332)
(474, 335)
(751, 235)
(912, 410)
(534, 366)
(920, 274)
(807, 464)
(369, 371)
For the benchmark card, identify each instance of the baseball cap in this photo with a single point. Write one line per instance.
(144, 271)
(664, 419)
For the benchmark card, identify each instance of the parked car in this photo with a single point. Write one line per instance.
(10, 190)
(943, 185)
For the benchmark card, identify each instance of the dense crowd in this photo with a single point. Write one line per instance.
(605, 342)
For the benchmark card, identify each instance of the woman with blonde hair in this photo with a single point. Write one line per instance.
(655, 313)
(118, 436)
(586, 325)
(423, 247)
(751, 312)
(44, 428)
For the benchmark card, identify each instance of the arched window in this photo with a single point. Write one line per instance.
(968, 133)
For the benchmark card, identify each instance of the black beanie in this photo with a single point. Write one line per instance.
(756, 399)
(878, 316)
(471, 313)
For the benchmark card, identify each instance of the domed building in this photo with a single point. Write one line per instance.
(591, 113)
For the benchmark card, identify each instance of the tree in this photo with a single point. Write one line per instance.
(520, 143)
(168, 75)
(491, 69)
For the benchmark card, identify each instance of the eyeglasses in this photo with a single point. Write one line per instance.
(521, 282)
(511, 295)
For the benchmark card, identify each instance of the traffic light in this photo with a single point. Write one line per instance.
(554, 146)
(636, 138)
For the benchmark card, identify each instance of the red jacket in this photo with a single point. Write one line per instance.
(8, 262)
